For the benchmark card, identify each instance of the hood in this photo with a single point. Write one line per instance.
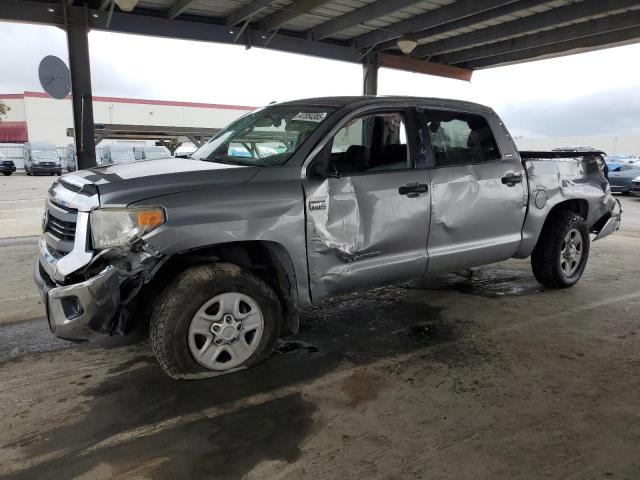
(121, 184)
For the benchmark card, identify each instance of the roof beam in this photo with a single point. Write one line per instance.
(401, 62)
(432, 18)
(178, 8)
(288, 13)
(247, 12)
(569, 13)
(570, 47)
(548, 37)
(369, 12)
(468, 21)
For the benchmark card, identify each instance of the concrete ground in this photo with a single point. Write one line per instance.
(493, 377)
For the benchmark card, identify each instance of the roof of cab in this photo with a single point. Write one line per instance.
(363, 100)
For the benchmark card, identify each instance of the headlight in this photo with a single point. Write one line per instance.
(36, 162)
(116, 227)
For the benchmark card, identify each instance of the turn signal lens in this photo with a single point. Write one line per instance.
(150, 218)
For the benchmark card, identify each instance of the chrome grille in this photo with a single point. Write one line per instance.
(60, 229)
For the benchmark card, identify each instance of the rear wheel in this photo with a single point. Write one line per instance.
(561, 254)
(6, 173)
(214, 319)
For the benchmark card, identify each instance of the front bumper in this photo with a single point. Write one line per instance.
(612, 224)
(46, 169)
(83, 310)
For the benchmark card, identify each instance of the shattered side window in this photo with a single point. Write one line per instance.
(460, 138)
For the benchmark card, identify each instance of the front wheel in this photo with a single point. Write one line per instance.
(6, 174)
(561, 254)
(214, 319)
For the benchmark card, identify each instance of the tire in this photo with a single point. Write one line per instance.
(550, 267)
(6, 174)
(28, 173)
(173, 341)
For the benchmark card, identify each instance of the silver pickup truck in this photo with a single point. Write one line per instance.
(299, 201)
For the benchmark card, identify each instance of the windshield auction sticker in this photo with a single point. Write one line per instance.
(310, 116)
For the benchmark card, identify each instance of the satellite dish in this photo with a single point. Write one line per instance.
(55, 77)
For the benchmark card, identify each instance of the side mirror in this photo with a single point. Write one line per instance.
(322, 166)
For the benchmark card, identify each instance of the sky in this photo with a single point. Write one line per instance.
(596, 93)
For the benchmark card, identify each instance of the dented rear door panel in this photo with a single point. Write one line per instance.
(476, 218)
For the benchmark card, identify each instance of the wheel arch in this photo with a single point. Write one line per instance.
(576, 205)
(266, 259)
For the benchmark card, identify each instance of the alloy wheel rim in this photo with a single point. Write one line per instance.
(225, 331)
(571, 252)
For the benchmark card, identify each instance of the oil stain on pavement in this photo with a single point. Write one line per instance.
(358, 330)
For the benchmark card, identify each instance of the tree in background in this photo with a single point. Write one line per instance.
(4, 108)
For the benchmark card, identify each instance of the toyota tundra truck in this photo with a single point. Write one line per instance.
(300, 201)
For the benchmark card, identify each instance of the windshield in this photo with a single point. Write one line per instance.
(266, 137)
(44, 154)
(122, 156)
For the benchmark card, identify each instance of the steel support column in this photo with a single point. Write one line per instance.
(78, 42)
(370, 76)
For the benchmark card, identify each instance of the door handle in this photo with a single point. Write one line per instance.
(510, 179)
(413, 189)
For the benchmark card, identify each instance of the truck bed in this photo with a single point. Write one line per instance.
(529, 154)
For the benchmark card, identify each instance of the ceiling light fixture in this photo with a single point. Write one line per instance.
(126, 5)
(407, 44)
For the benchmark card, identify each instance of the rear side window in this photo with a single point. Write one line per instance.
(460, 138)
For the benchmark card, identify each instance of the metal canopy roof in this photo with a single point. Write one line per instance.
(454, 37)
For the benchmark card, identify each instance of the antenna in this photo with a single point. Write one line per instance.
(55, 77)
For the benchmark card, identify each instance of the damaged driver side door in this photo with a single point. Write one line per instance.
(367, 205)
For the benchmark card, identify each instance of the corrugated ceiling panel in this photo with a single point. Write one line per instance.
(213, 8)
(497, 21)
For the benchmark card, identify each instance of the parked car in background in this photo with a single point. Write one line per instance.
(635, 187)
(621, 176)
(70, 159)
(621, 158)
(110, 154)
(41, 157)
(156, 152)
(6, 166)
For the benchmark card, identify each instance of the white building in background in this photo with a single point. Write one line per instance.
(34, 116)
(629, 144)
